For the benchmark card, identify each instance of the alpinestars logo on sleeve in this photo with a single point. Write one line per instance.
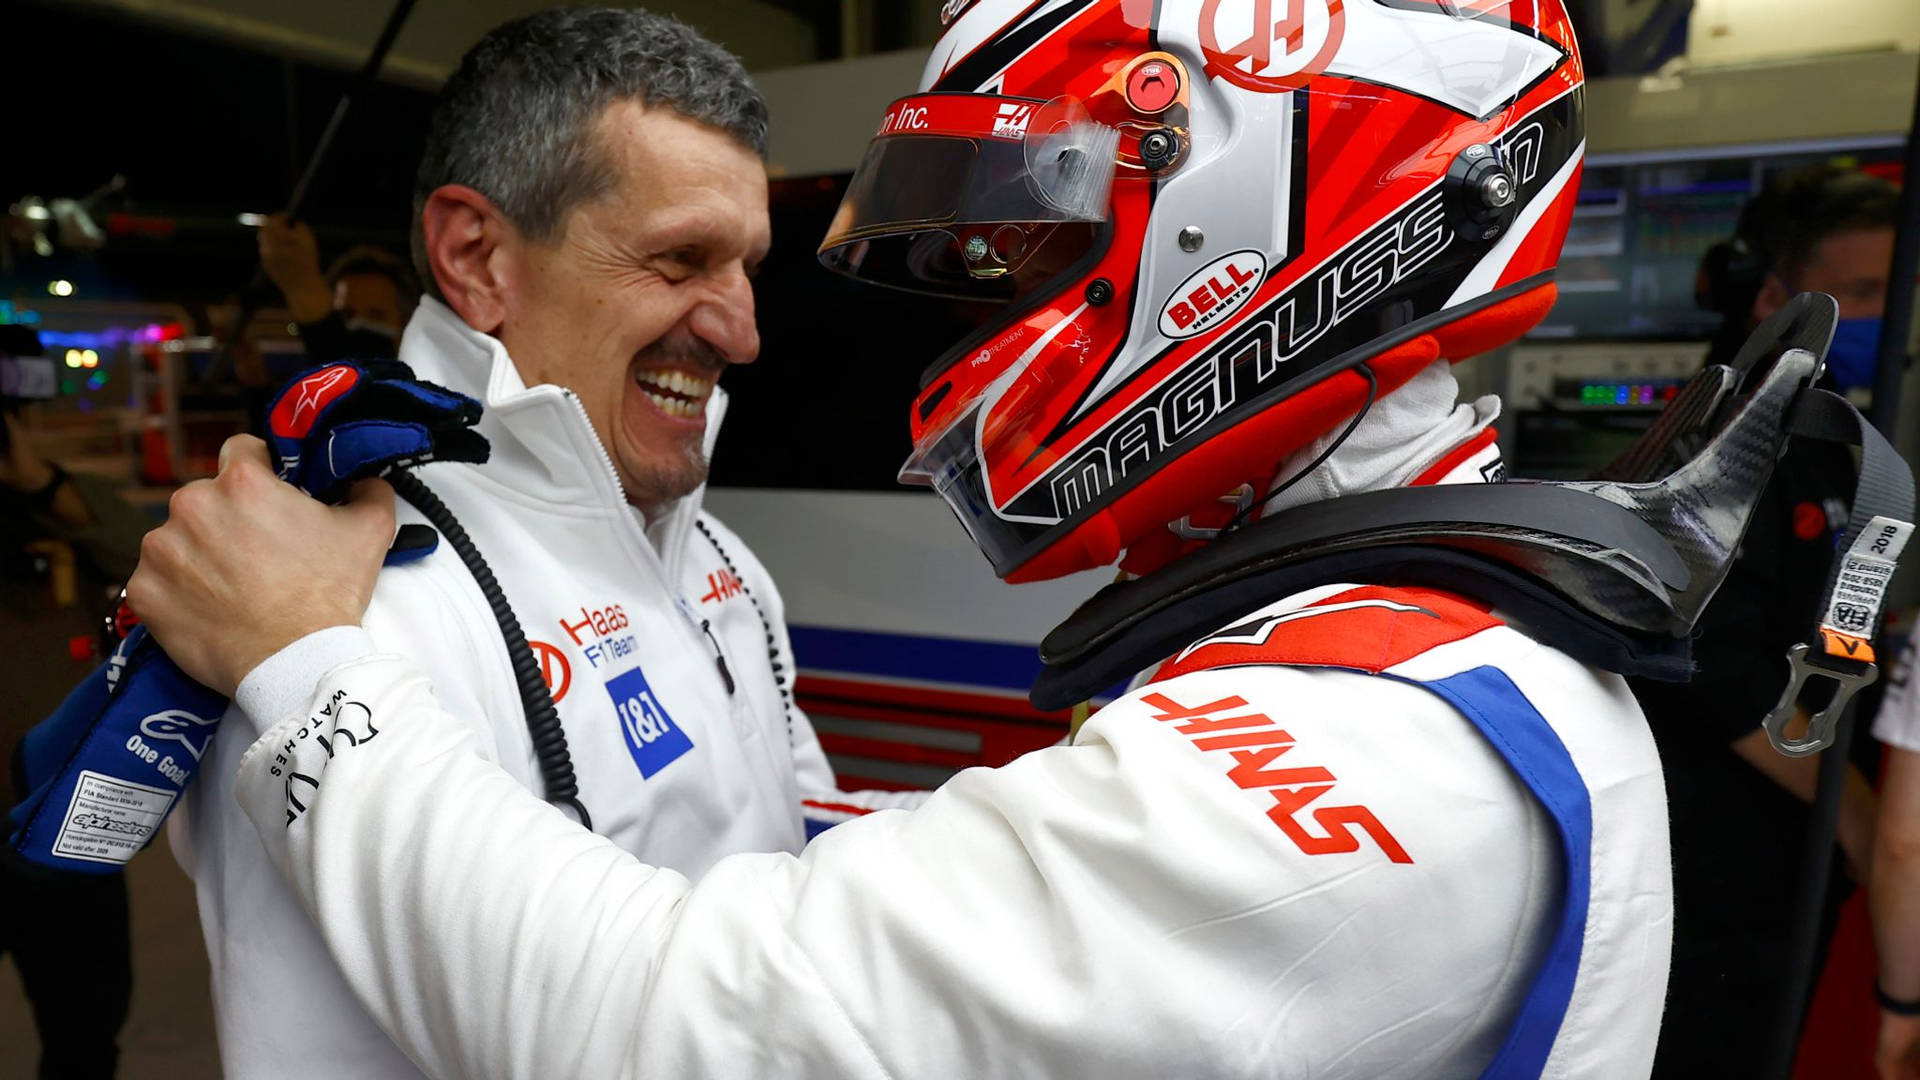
(1255, 631)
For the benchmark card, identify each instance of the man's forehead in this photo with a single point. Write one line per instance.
(679, 183)
(664, 147)
(1854, 251)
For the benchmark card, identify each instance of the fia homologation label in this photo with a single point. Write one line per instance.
(109, 820)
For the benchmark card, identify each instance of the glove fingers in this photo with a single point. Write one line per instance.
(358, 450)
(345, 422)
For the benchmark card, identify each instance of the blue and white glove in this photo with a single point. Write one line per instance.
(104, 771)
(345, 422)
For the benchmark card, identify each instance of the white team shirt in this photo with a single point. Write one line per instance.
(672, 766)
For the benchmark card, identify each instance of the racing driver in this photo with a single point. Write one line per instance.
(1346, 830)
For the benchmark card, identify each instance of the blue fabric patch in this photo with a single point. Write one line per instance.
(653, 739)
(103, 772)
(815, 827)
(1490, 700)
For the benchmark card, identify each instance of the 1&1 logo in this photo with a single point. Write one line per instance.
(653, 739)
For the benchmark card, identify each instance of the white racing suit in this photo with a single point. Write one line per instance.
(631, 627)
(1359, 832)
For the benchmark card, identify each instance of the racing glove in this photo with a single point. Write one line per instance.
(104, 771)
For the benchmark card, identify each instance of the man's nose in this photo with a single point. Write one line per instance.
(725, 320)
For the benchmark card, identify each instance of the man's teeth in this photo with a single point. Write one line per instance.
(679, 382)
(676, 393)
(680, 407)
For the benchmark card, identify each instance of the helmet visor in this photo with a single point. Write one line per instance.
(973, 196)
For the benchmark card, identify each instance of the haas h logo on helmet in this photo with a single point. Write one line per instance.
(1275, 45)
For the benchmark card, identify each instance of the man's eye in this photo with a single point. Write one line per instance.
(678, 265)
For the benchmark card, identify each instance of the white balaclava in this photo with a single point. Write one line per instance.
(1402, 436)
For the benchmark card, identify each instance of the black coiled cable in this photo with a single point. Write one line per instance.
(543, 720)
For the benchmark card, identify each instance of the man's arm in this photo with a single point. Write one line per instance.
(83, 511)
(1859, 806)
(1125, 906)
(1895, 897)
(1894, 891)
(1119, 907)
(283, 1007)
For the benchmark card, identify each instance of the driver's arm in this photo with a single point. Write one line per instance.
(1119, 907)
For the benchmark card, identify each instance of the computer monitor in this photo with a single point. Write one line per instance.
(1645, 218)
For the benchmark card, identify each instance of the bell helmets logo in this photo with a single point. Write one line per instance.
(1271, 46)
(1211, 296)
(304, 403)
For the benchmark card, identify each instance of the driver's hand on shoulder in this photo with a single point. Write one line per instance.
(247, 564)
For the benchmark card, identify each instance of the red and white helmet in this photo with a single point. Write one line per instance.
(1202, 216)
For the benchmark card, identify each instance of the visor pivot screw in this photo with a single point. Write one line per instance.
(1158, 148)
(1483, 192)
(1192, 239)
(1100, 292)
(976, 248)
(1497, 191)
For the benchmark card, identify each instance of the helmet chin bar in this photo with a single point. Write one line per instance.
(1614, 572)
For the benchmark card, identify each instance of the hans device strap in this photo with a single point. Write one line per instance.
(1614, 571)
(1840, 647)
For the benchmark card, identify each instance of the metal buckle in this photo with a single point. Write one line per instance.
(1239, 498)
(1820, 729)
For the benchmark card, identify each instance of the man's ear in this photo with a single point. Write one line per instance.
(1773, 296)
(465, 236)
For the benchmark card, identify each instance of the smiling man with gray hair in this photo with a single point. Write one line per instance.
(591, 203)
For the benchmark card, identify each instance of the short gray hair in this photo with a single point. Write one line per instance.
(516, 121)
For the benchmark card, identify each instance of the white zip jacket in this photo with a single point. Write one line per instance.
(1358, 833)
(631, 625)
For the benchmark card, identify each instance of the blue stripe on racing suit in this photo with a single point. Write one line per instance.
(1488, 698)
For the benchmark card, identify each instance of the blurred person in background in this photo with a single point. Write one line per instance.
(1740, 810)
(356, 310)
(67, 541)
(1895, 886)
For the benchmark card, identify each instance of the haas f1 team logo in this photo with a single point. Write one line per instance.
(1271, 46)
(1012, 120)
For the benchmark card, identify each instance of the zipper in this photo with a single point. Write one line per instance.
(698, 626)
(706, 627)
(606, 459)
(676, 537)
